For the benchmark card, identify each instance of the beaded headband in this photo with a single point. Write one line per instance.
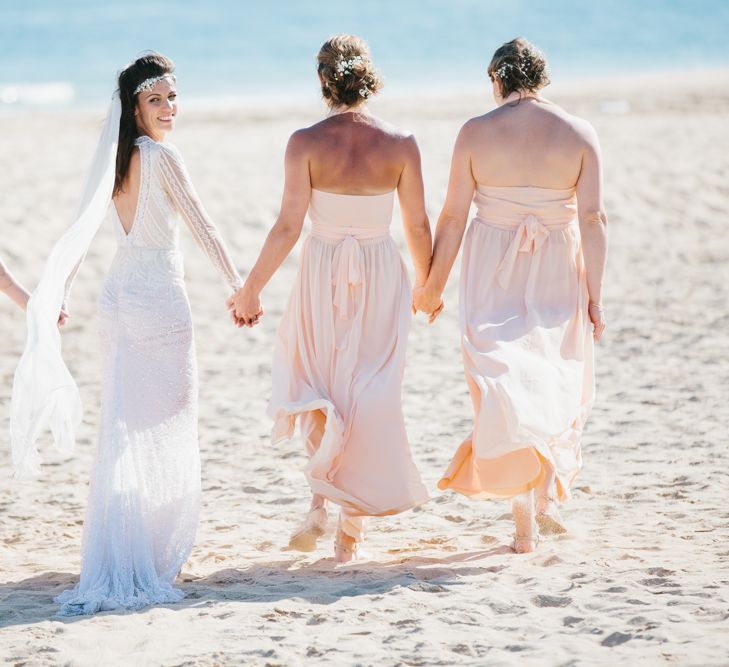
(148, 84)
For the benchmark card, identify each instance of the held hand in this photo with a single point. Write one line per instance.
(427, 302)
(245, 307)
(597, 317)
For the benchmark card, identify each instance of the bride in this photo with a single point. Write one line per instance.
(143, 501)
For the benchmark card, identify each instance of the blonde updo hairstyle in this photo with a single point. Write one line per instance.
(520, 66)
(348, 76)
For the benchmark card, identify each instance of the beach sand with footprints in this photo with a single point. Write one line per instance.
(641, 578)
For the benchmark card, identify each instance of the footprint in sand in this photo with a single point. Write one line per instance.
(616, 638)
(435, 540)
(660, 571)
(552, 560)
(643, 623)
(551, 601)
(571, 621)
(426, 587)
(224, 615)
(659, 581)
(463, 649)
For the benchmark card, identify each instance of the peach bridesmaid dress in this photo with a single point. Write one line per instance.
(339, 360)
(527, 343)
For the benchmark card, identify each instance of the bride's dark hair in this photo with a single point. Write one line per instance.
(149, 65)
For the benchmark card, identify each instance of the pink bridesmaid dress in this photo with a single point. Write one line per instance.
(527, 343)
(339, 359)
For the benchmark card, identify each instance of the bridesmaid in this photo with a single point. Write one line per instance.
(340, 351)
(530, 291)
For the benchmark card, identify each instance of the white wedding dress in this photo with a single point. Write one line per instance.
(143, 502)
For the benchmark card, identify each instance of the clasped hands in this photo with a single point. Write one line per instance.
(245, 307)
(427, 301)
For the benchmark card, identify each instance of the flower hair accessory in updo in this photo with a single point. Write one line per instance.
(519, 66)
(347, 66)
(347, 74)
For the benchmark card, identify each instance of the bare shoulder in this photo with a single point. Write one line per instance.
(474, 130)
(311, 131)
(406, 142)
(301, 141)
(478, 123)
(389, 132)
(586, 131)
(395, 138)
(390, 129)
(582, 129)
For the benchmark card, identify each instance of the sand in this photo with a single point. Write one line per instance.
(641, 578)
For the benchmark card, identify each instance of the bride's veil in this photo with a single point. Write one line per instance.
(44, 392)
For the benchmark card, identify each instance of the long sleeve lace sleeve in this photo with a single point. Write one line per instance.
(180, 188)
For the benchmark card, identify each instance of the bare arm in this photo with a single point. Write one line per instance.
(593, 227)
(13, 289)
(245, 303)
(451, 224)
(415, 220)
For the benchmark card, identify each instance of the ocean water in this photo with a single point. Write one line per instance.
(57, 53)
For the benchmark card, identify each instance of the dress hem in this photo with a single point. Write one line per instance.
(283, 430)
(463, 460)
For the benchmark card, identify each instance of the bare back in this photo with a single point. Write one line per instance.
(351, 153)
(532, 143)
(357, 154)
(126, 200)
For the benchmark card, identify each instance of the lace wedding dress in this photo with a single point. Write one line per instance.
(143, 502)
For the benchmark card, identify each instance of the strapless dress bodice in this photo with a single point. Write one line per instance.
(336, 216)
(510, 206)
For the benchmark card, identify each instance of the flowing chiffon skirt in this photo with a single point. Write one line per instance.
(338, 365)
(527, 344)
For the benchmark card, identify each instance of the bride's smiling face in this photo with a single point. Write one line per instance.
(156, 109)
